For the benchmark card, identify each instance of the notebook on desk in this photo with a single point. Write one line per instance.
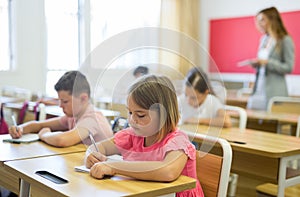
(109, 158)
(26, 138)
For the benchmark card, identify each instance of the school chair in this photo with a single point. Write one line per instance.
(270, 189)
(284, 105)
(242, 123)
(213, 168)
(242, 115)
(119, 123)
(120, 107)
(40, 112)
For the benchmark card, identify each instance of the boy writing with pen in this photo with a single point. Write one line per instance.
(80, 117)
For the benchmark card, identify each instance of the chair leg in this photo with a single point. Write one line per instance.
(232, 185)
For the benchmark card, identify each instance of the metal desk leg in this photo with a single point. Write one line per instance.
(24, 188)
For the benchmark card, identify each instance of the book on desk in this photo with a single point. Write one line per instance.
(26, 138)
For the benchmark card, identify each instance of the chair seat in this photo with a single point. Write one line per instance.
(269, 189)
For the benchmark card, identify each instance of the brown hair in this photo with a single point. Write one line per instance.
(277, 26)
(74, 82)
(198, 79)
(157, 92)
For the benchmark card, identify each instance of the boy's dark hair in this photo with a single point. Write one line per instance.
(74, 82)
(141, 69)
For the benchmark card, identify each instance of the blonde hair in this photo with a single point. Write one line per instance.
(158, 93)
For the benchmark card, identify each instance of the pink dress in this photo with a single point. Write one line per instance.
(132, 149)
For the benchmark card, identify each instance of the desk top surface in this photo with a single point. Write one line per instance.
(256, 142)
(10, 151)
(6, 99)
(55, 110)
(264, 115)
(82, 184)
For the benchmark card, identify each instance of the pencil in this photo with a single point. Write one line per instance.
(93, 141)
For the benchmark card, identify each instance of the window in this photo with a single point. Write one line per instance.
(62, 40)
(5, 46)
(76, 27)
(109, 18)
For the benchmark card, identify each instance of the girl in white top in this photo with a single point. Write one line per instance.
(199, 104)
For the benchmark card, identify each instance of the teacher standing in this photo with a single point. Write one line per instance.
(275, 59)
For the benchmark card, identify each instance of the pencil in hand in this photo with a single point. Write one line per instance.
(14, 122)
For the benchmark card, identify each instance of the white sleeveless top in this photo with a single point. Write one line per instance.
(259, 100)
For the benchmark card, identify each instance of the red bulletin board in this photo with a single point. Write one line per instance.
(236, 39)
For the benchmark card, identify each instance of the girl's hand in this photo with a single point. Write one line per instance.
(93, 158)
(99, 170)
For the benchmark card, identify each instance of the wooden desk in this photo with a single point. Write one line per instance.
(5, 99)
(82, 184)
(264, 156)
(264, 120)
(55, 110)
(235, 100)
(11, 152)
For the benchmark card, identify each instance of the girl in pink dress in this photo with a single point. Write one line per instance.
(152, 147)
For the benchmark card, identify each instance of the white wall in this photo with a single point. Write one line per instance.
(30, 66)
(214, 9)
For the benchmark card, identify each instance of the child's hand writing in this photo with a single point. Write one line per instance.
(99, 170)
(93, 158)
(15, 132)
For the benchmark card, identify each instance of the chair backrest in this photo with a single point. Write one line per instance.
(120, 107)
(284, 104)
(241, 112)
(41, 115)
(213, 170)
(298, 128)
(119, 124)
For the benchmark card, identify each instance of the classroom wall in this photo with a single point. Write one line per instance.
(30, 44)
(29, 68)
(220, 9)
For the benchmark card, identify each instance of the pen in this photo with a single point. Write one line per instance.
(14, 122)
(93, 141)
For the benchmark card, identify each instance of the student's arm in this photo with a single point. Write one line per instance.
(221, 120)
(63, 138)
(167, 170)
(105, 147)
(35, 127)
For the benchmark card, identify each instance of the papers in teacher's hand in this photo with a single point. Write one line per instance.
(26, 138)
(109, 158)
(244, 63)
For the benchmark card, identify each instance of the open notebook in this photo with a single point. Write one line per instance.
(26, 138)
(109, 158)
